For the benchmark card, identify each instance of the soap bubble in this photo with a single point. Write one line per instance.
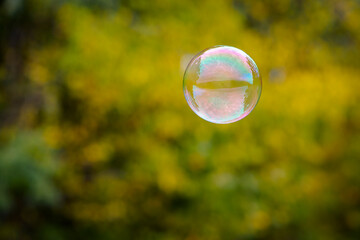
(222, 84)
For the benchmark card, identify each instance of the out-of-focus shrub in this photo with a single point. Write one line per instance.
(136, 163)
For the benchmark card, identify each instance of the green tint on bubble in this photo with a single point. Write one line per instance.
(222, 84)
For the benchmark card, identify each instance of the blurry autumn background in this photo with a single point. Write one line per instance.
(98, 142)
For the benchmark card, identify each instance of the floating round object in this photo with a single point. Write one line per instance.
(222, 84)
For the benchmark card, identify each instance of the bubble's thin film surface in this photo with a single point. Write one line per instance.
(222, 84)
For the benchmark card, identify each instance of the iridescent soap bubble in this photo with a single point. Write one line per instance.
(222, 84)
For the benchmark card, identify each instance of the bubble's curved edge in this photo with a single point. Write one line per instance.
(188, 101)
(194, 59)
(261, 83)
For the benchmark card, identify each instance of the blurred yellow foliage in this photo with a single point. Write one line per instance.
(137, 163)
